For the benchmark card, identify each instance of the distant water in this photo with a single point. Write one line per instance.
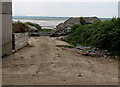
(104, 19)
(45, 22)
(49, 24)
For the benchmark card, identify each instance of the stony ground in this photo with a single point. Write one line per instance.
(43, 63)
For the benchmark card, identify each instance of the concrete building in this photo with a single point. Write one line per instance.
(5, 27)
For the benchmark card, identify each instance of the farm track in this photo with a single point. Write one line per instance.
(43, 63)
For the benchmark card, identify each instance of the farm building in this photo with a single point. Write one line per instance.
(63, 27)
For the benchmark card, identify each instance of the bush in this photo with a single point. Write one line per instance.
(19, 27)
(103, 35)
(82, 21)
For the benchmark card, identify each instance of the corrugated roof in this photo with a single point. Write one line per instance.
(75, 20)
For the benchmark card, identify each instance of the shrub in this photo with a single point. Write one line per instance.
(103, 35)
(19, 27)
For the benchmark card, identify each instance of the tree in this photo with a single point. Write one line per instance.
(82, 21)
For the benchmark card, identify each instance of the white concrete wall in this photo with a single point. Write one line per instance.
(5, 28)
(21, 40)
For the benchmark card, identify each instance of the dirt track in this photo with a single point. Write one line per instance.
(46, 64)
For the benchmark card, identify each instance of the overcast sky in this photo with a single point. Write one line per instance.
(66, 8)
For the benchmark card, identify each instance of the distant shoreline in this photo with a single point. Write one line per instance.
(40, 18)
(48, 18)
(48, 23)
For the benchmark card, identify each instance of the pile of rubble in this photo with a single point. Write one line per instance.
(87, 51)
